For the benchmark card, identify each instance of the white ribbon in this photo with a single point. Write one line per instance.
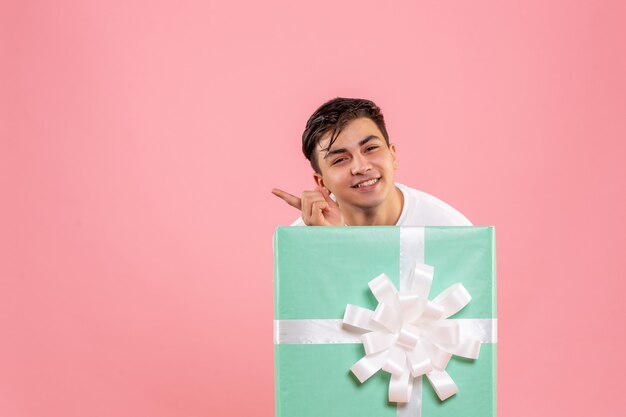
(333, 331)
(410, 336)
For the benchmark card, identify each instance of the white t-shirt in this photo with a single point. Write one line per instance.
(422, 209)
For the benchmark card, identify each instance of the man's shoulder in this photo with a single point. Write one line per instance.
(423, 209)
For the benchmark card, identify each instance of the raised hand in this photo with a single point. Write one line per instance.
(317, 208)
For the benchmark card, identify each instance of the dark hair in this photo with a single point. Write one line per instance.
(333, 116)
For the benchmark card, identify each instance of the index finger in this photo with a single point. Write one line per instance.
(290, 199)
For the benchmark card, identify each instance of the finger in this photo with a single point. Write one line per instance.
(317, 213)
(290, 199)
(308, 199)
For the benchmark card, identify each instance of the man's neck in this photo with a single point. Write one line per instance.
(387, 214)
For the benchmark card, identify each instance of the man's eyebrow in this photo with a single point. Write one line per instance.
(342, 150)
(367, 139)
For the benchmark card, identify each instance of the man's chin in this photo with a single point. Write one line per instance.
(364, 204)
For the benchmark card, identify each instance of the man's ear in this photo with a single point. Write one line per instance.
(319, 180)
(392, 148)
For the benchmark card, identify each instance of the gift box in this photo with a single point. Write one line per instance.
(319, 271)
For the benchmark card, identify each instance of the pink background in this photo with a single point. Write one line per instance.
(140, 141)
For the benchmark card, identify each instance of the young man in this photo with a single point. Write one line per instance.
(347, 143)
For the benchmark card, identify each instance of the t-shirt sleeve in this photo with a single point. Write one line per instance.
(298, 222)
(443, 214)
(423, 209)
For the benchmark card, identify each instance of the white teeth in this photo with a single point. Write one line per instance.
(367, 183)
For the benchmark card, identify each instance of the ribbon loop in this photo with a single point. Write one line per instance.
(411, 305)
(396, 361)
(383, 290)
(422, 279)
(358, 317)
(400, 387)
(453, 299)
(431, 312)
(376, 341)
(419, 360)
(368, 365)
(408, 336)
(438, 356)
(442, 383)
(388, 316)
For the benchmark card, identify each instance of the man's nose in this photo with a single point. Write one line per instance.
(360, 165)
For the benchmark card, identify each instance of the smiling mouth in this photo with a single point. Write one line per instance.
(366, 183)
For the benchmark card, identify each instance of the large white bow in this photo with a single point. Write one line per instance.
(410, 336)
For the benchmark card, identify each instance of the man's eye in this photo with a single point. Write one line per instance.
(338, 160)
(371, 148)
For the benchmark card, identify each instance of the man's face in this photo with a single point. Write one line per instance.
(358, 168)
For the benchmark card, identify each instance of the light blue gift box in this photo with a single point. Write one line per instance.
(319, 270)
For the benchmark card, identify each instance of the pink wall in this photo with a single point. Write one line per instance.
(140, 140)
